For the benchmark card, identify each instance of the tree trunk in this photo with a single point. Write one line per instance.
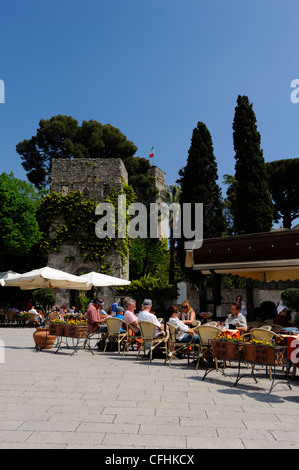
(171, 255)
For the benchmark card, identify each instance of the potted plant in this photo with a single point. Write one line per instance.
(290, 298)
(264, 352)
(23, 318)
(77, 328)
(44, 297)
(227, 346)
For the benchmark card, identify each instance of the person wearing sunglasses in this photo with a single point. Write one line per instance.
(187, 313)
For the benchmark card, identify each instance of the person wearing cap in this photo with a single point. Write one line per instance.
(281, 317)
(119, 314)
(146, 315)
(95, 319)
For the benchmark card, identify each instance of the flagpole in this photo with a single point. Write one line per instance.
(152, 155)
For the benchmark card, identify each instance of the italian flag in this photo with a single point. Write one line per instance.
(152, 153)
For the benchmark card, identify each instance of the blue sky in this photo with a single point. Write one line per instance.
(152, 68)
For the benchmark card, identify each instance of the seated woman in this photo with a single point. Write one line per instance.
(184, 334)
(187, 313)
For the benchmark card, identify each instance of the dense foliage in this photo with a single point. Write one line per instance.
(19, 229)
(252, 207)
(62, 137)
(149, 287)
(71, 219)
(290, 298)
(283, 177)
(198, 180)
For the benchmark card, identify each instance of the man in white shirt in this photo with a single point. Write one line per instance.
(38, 317)
(146, 315)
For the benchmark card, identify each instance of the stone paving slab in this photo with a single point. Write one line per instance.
(106, 401)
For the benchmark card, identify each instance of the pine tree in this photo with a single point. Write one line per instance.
(252, 207)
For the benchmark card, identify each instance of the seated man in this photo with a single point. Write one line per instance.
(236, 318)
(38, 318)
(130, 317)
(184, 333)
(95, 319)
(146, 315)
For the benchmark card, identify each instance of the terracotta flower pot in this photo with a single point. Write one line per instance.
(77, 331)
(227, 350)
(43, 339)
(52, 329)
(265, 355)
(66, 330)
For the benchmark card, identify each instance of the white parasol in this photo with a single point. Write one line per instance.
(101, 280)
(46, 277)
(7, 275)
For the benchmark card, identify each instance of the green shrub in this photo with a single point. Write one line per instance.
(290, 298)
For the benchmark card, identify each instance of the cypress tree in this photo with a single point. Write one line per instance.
(253, 207)
(199, 184)
(198, 181)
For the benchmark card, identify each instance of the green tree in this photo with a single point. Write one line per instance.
(229, 203)
(252, 208)
(171, 195)
(62, 137)
(19, 229)
(149, 257)
(44, 297)
(198, 180)
(283, 177)
(149, 287)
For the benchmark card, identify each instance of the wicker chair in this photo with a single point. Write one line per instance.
(261, 334)
(211, 323)
(114, 326)
(206, 333)
(176, 347)
(96, 335)
(131, 338)
(32, 321)
(53, 316)
(147, 334)
(276, 328)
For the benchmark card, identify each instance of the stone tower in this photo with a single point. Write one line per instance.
(94, 178)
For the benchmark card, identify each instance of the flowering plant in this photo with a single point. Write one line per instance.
(72, 322)
(24, 314)
(228, 337)
(272, 343)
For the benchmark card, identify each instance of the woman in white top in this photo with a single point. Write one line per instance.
(187, 313)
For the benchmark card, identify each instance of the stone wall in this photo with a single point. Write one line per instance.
(94, 178)
(265, 292)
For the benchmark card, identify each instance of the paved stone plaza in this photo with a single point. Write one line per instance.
(106, 401)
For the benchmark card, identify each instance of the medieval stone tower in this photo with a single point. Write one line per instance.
(94, 178)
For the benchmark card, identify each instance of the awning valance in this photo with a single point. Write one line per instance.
(272, 256)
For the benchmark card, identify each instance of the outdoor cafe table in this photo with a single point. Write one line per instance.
(73, 333)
